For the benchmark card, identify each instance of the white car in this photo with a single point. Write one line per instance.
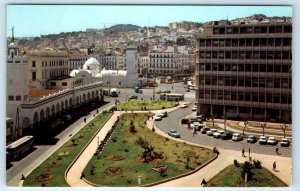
(263, 140)
(284, 142)
(157, 118)
(194, 108)
(237, 137)
(184, 105)
(272, 141)
(218, 134)
(211, 132)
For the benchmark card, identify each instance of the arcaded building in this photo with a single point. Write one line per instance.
(244, 71)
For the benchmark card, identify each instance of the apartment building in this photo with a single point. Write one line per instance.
(243, 71)
(162, 62)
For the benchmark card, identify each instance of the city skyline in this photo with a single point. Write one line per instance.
(68, 18)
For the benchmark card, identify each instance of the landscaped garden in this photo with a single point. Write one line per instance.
(134, 150)
(145, 105)
(234, 176)
(51, 171)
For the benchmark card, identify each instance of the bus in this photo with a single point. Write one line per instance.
(19, 147)
(172, 97)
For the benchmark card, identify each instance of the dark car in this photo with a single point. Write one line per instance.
(226, 135)
(133, 97)
(185, 121)
(251, 139)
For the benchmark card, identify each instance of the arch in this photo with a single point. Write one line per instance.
(57, 108)
(62, 106)
(47, 112)
(26, 122)
(35, 117)
(77, 100)
(84, 98)
(88, 96)
(52, 110)
(97, 93)
(42, 115)
(70, 102)
(93, 94)
(66, 104)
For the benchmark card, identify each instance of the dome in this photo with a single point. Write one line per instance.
(91, 63)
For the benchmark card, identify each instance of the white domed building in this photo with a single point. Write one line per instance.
(92, 72)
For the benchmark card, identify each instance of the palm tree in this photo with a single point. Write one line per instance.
(245, 125)
(283, 127)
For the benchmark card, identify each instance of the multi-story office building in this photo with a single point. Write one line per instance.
(244, 71)
(162, 62)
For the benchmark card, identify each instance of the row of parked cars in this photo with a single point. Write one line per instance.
(197, 123)
(238, 137)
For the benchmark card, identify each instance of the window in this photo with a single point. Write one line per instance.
(10, 98)
(53, 84)
(18, 98)
(33, 64)
(120, 83)
(64, 83)
(33, 76)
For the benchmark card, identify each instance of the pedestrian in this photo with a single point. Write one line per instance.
(84, 119)
(23, 177)
(82, 176)
(274, 166)
(277, 150)
(249, 152)
(243, 153)
(203, 182)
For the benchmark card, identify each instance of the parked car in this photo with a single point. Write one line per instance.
(133, 97)
(211, 132)
(272, 141)
(185, 121)
(174, 133)
(201, 117)
(226, 135)
(263, 140)
(194, 119)
(140, 91)
(184, 105)
(284, 142)
(157, 118)
(194, 108)
(237, 137)
(251, 139)
(204, 130)
(218, 134)
(163, 114)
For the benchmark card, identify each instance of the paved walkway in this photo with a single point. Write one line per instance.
(225, 158)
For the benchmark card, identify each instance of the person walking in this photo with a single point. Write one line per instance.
(274, 166)
(243, 153)
(277, 150)
(203, 182)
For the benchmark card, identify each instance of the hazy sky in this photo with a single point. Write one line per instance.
(35, 20)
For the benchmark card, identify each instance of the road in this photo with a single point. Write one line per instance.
(173, 122)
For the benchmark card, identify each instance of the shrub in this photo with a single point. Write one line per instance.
(257, 163)
(247, 169)
(236, 163)
(129, 181)
(126, 150)
(153, 129)
(114, 139)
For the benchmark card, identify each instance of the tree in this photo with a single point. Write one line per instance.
(263, 126)
(283, 127)
(245, 125)
(247, 169)
(225, 124)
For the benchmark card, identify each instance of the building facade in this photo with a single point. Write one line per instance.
(244, 71)
(46, 65)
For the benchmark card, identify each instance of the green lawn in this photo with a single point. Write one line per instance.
(80, 139)
(151, 105)
(231, 177)
(124, 142)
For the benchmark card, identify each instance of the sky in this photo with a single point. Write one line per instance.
(36, 20)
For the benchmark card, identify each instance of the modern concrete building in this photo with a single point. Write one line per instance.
(244, 71)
